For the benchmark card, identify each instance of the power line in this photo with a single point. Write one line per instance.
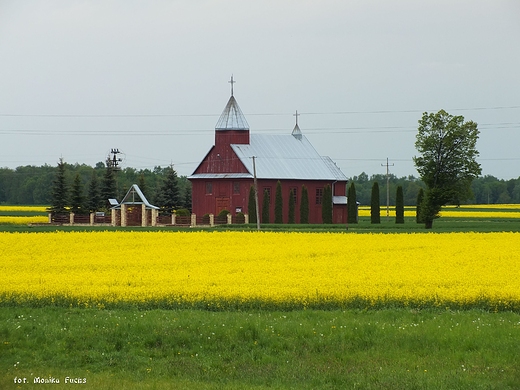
(410, 111)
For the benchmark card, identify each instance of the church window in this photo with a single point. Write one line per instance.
(236, 187)
(294, 194)
(209, 187)
(319, 195)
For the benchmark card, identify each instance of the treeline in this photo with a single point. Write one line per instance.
(485, 190)
(31, 185)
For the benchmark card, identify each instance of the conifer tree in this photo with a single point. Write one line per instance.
(251, 205)
(420, 199)
(266, 203)
(352, 204)
(375, 209)
(141, 182)
(59, 192)
(187, 198)
(399, 205)
(77, 199)
(291, 207)
(278, 204)
(169, 195)
(326, 205)
(108, 188)
(304, 206)
(94, 202)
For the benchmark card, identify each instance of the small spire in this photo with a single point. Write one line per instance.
(296, 115)
(232, 82)
(297, 133)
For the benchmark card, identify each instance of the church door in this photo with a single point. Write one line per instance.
(222, 204)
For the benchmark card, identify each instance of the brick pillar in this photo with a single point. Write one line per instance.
(211, 220)
(114, 217)
(154, 217)
(173, 218)
(71, 218)
(246, 218)
(92, 215)
(229, 219)
(193, 220)
(123, 215)
(144, 217)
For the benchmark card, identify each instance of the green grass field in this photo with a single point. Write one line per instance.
(190, 349)
(392, 348)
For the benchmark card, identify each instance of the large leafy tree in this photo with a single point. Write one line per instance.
(447, 162)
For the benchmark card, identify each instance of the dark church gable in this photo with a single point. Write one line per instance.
(224, 177)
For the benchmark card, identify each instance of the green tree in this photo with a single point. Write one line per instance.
(169, 195)
(326, 205)
(352, 204)
(77, 199)
(447, 162)
(109, 187)
(94, 201)
(375, 208)
(278, 204)
(291, 207)
(266, 203)
(399, 205)
(304, 206)
(251, 205)
(420, 197)
(59, 192)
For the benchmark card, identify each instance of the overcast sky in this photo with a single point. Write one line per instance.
(150, 78)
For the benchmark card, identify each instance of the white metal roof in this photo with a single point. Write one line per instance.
(286, 157)
(135, 196)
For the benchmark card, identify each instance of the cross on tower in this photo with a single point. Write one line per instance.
(232, 82)
(296, 115)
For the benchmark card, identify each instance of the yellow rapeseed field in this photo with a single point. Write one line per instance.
(261, 269)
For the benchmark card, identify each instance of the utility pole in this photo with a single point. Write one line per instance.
(387, 189)
(256, 195)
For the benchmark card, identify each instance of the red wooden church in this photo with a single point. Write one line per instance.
(224, 177)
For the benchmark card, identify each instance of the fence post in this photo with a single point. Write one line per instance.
(211, 220)
(50, 217)
(71, 218)
(144, 217)
(229, 219)
(92, 215)
(193, 220)
(155, 215)
(246, 218)
(174, 217)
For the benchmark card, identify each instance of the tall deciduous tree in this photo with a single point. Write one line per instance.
(326, 205)
(375, 207)
(59, 192)
(304, 206)
(447, 162)
(278, 204)
(399, 205)
(352, 204)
